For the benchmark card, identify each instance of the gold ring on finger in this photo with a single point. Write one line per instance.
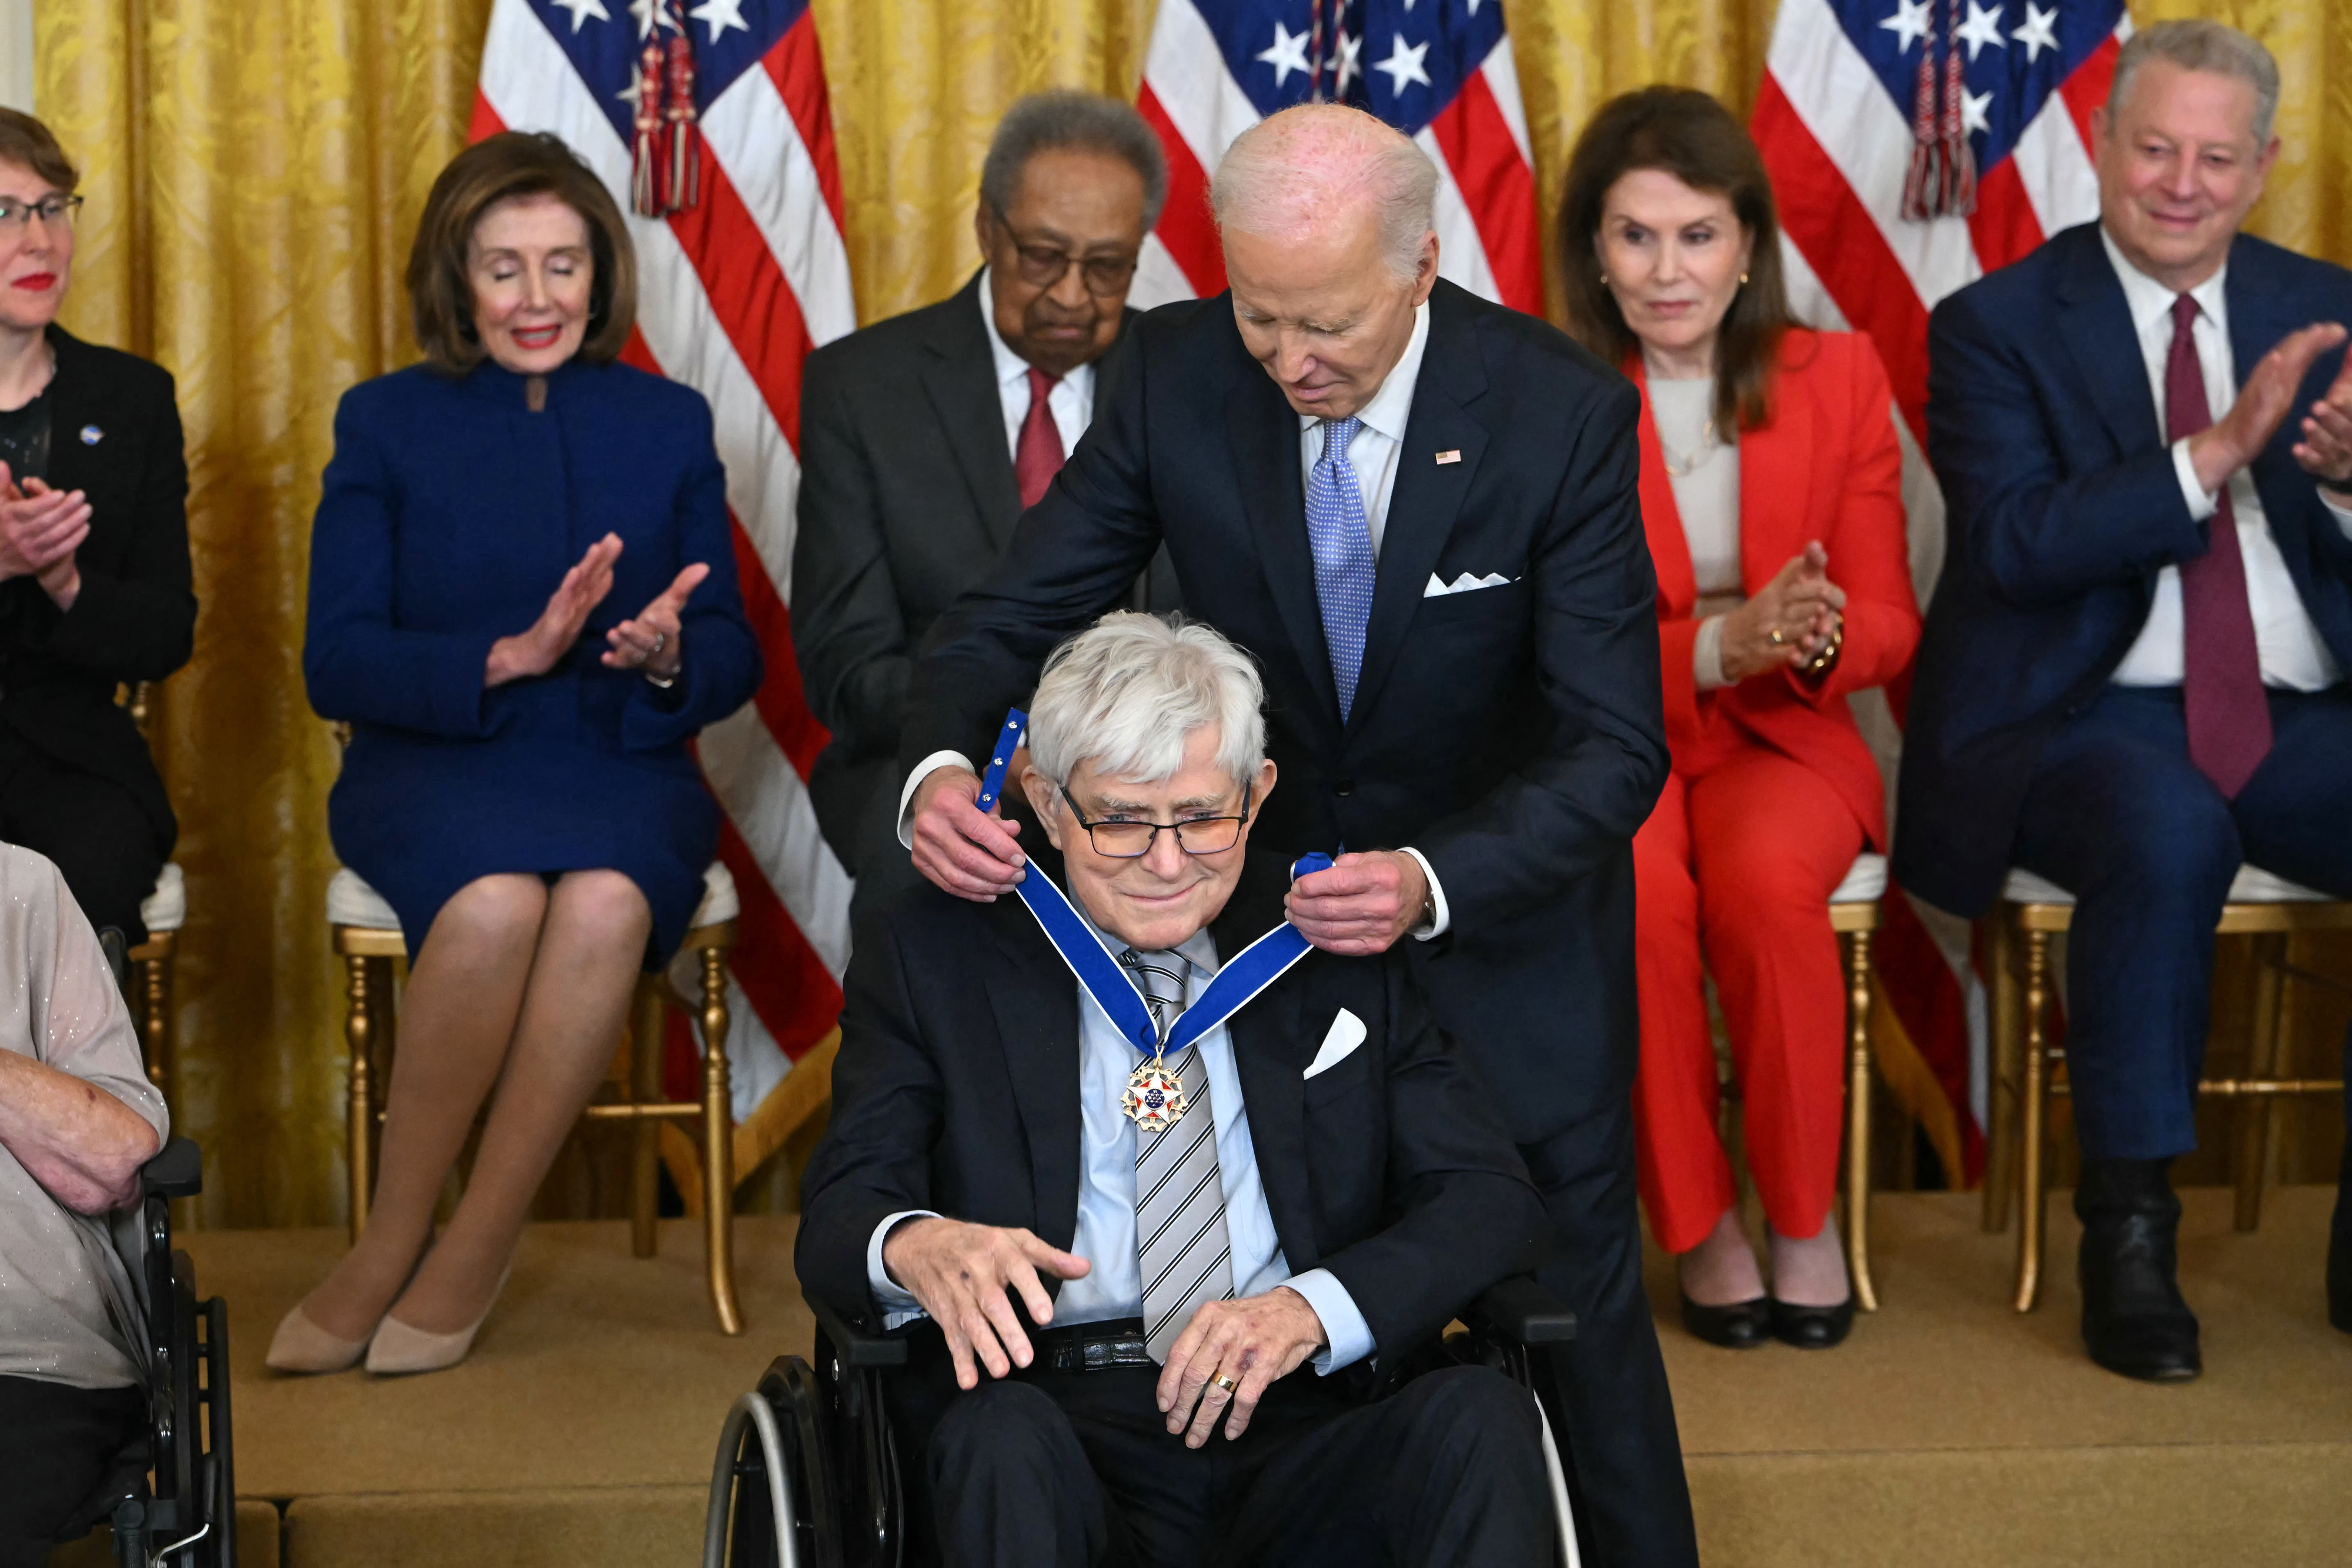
(1779, 639)
(1227, 1384)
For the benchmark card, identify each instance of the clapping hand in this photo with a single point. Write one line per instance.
(536, 651)
(1788, 622)
(2325, 449)
(41, 529)
(2238, 437)
(651, 642)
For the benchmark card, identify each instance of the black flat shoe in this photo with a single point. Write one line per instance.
(2136, 1322)
(1811, 1328)
(1742, 1325)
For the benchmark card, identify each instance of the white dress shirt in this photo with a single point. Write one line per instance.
(1071, 402)
(1104, 1237)
(2292, 651)
(1372, 453)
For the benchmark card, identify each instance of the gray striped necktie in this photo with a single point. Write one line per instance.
(1180, 1202)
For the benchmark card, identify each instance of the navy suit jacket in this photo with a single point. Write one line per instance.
(1514, 735)
(2062, 505)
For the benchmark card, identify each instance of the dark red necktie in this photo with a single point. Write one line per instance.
(1038, 456)
(2222, 671)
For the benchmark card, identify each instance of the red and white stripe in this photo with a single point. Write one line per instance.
(732, 295)
(1837, 148)
(1487, 220)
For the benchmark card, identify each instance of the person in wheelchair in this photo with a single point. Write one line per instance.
(77, 1119)
(1219, 1180)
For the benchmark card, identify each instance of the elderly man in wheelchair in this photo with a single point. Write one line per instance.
(1175, 1204)
(113, 1407)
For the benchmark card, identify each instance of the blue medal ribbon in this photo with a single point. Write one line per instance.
(1249, 971)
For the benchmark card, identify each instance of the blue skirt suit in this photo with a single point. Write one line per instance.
(451, 512)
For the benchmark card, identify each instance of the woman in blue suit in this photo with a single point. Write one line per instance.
(523, 598)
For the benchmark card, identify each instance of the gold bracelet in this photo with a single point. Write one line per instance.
(1823, 662)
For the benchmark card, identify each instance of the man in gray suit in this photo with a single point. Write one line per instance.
(925, 436)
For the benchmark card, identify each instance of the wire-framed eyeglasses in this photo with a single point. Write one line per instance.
(1129, 841)
(56, 212)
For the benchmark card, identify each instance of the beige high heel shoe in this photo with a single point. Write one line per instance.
(398, 1349)
(302, 1345)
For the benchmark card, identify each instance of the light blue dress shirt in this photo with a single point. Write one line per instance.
(1106, 1228)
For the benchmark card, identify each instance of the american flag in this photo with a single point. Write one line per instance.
(1440, 70)
(1913, 146)
(734, 290)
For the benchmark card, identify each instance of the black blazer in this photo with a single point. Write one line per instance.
(2062, 505)
(907, 498)
(115, 435)
(1514, 734)
(957, 1089)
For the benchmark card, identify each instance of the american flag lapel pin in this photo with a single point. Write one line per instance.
(1452, 454)
(92, 435)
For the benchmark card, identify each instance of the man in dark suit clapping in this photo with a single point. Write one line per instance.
(2132, 676)
(923, 437)
(1419, 511)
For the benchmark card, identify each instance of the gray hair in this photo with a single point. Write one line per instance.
(1047, 121)
(1128, 692)
(1291, 169)
(2198, 45)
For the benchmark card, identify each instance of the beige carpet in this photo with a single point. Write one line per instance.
(1947, 1431)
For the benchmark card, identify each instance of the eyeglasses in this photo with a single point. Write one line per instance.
(56, 212)
(1133, 840)
(1043, 266)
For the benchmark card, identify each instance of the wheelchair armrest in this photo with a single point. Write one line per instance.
(858, 1346)
(177, 1170)
(1522, 1311)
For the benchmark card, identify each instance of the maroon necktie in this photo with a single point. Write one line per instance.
(1038, 456)
(2221, 672)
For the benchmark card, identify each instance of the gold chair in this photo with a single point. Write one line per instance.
(368, 939)
(2268, 908)
(164, 912)
(1854, 916)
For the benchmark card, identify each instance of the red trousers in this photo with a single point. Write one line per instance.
(1733, 873)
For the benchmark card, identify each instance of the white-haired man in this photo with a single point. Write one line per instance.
(1420, 511)
(1293, 1185)
(2131, 680)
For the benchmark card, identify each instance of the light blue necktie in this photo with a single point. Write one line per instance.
(1344, 568)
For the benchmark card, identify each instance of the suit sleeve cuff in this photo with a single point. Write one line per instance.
(922, 770)
(1444, 917)
(1346, 1338)
(896, 1304)
(2340, 510)
(1706, 655)
(2202, 503)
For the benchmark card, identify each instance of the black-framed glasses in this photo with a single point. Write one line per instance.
(56, 212)
(1133, 840)
(1043, 266)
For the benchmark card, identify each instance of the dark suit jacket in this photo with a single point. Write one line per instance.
(1514, 734)
(2062, 505)
(135, 617)
(957, 1089)
(907, 500)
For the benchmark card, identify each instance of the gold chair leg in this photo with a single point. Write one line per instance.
(1857, 1124)
(2250, 1135)
(155, 1021)
(646, 1032)
(2001, 1090)
(717, 1145)
(2035, 1109)
(360, 1104)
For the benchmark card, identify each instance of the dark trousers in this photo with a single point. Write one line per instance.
(57, 1444)
(1611, 1407)
(1064, 1469)
(2118, 816)
(92, 828)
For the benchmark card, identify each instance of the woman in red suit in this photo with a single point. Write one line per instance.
(1771, 487)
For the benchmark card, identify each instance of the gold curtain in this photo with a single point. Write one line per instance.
(255, 169)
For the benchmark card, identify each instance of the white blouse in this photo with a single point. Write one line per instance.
(1708, 497)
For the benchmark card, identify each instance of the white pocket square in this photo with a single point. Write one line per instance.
(1465, 583)
(1346, 1033)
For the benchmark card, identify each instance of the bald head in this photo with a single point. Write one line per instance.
(1325, 214)
(1317, 164)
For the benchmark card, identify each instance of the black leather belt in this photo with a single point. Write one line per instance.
(1092, 1347)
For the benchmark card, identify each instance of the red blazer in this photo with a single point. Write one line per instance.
(1827, 467)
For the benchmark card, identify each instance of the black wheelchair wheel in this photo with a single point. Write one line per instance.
(772, 1488)
(871, 1495)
